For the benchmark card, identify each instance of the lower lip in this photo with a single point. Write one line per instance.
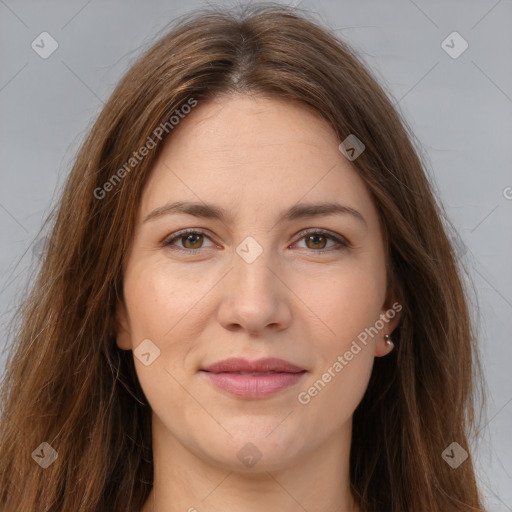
(254, 386)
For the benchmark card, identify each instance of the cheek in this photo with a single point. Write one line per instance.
(340, 377)
(161, 300)
(348, 305)
(160, 306)
(154, 309)
(334, 394)
(345, 302)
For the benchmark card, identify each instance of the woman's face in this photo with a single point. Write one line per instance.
(264, 280)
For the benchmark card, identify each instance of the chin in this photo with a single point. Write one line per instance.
(269, 450)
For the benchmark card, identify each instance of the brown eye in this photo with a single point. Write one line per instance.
(195, 241)
(318, 241)
(188, 241)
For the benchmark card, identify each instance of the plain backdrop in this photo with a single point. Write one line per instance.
(460, 110)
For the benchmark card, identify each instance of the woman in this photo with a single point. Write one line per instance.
(249, 300)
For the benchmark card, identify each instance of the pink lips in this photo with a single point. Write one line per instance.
(253, 379)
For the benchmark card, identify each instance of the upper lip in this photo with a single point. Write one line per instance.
(239, 365)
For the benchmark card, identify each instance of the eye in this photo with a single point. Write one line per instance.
(316, 239)
(191, 238)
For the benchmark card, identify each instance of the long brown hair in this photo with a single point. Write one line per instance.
(68, 384)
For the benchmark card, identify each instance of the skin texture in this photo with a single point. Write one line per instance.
(255, 158)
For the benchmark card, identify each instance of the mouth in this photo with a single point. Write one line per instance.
(253, 379)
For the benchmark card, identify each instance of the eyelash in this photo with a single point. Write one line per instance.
(181, 234)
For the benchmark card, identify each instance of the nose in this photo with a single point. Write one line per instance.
(255, 297)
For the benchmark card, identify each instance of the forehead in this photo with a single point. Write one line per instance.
(232, 123)
(249, 153)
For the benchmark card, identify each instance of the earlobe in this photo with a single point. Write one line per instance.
(123, 336)
(390, 316)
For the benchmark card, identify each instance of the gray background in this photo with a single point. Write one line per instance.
(460, 110)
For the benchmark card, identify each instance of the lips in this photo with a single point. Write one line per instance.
(253, 379)
(268, 365)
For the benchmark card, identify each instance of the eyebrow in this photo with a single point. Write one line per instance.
(210, 211)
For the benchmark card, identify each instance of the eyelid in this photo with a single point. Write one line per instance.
(340, 239)
(335, 237)
(182, 233)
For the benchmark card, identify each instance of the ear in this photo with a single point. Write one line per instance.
(390, 315)
(123, 334)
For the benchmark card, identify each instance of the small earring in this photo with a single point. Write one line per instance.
(388, 341)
